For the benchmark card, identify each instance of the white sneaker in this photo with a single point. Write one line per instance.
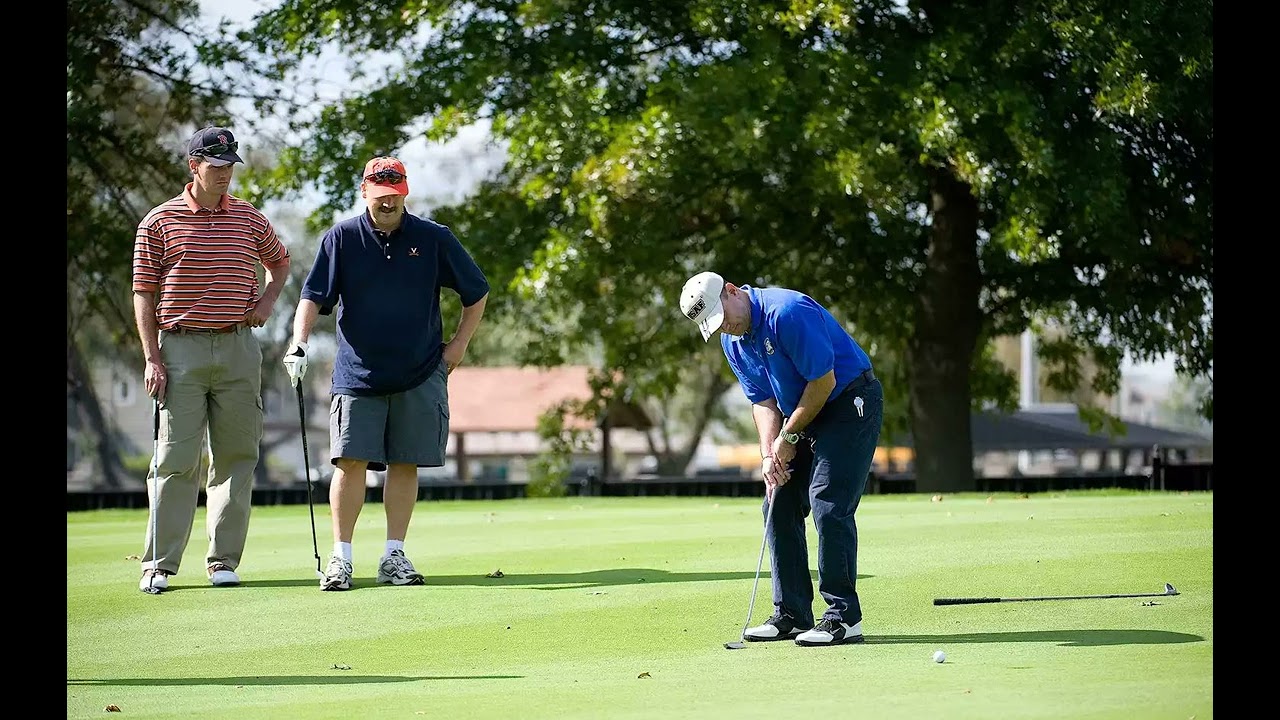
(222, 576)
(830, 631)
(396, 569)
(154, 581)
(338, 575)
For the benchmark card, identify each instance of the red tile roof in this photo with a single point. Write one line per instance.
(510, 399)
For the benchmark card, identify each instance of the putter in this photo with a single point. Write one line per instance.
(739, 643)
(1168, 590)
(155, 490)
(306, 464)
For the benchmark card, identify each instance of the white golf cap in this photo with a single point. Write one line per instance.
(700, 302)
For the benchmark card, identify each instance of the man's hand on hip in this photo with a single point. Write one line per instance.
(454, 351)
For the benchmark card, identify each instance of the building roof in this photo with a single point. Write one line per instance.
(1136, 435)
(511, 399)
(1062, 428)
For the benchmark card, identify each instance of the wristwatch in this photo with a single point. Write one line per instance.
(791, 438)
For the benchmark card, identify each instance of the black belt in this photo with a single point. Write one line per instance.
(866, 378)
(178, 329)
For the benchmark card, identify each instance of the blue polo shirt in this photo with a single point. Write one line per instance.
(792, 341)
(387, 291)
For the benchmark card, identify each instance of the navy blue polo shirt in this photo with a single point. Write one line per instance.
(387, 291)
(792, 341)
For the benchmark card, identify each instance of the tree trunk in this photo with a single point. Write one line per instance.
(92, 421)
(941, 346)
(675, 460)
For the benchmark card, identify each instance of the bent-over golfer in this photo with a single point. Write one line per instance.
(818, 410)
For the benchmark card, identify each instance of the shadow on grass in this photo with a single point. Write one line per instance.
(1064, 638)
(335, 679)
(541, 581)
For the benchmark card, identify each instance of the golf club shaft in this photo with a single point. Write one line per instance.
(306, 465)
(979, 600)
(155, 482)
(759, 564)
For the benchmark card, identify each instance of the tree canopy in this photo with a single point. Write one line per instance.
(938, 173)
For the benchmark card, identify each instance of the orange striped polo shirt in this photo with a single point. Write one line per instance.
(203, 262)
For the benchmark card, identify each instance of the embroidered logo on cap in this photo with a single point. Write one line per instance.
(697, 309)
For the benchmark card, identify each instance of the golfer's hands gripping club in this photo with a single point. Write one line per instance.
(776, 474)
(295, 363)
(784, 451)
(155, 379)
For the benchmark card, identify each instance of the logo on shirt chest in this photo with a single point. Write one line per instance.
(413, 252)
(768, 347)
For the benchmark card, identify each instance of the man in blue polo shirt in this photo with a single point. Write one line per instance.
(818, 410)
(383, 270)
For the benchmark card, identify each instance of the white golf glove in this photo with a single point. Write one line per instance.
(295, 362)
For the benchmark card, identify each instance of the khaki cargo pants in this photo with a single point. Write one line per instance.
(214, 393)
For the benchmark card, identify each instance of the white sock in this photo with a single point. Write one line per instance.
(393, 545)
(342, 550)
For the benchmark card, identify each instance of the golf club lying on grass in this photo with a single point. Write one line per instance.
(739, 644)
(1168, 590)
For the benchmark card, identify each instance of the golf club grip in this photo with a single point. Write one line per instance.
(964, 601)
(302, 422)
(155, 420)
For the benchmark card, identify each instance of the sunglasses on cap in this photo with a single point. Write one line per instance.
(386, 177)
(214, 150)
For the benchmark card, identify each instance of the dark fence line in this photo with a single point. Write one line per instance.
(1164, 477)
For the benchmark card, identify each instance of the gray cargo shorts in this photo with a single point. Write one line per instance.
(410, 427)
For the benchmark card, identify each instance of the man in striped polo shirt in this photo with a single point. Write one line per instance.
(195, 300)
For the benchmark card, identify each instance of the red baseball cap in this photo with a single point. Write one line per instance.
(385, 176)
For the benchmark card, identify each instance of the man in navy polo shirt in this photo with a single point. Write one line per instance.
(383, 270)
(818, 410)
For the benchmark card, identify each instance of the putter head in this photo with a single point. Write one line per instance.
(151, 590)
(734, 645)
(1168, 589)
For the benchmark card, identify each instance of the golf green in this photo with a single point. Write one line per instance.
(620, 608)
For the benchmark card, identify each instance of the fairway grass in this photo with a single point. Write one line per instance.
(620, 608)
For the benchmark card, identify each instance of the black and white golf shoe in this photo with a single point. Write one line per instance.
(830, 631)
(778, 627)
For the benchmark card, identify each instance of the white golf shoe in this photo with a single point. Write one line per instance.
(830, 631)
(154, 581)
(222, 576)
(778, 627)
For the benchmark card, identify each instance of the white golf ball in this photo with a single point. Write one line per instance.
(939, 656)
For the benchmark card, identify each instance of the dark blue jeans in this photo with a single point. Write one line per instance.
(828, 476)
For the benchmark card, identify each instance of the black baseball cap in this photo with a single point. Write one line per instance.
(216, 145)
